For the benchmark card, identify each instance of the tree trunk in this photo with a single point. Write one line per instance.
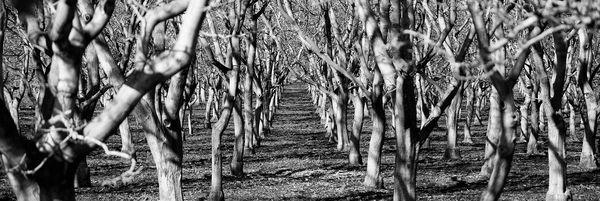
(405, 168)
(551, 95)
(588, 158)
(469, 117)
(373, 176)
(502, 159)
(126, 138)
(480, 103)
(542, 117)
(494, 130)
(572, 137)
(166, 149)
(557, 190)
(532, 143)
(589, 150)
(323, 106)
(237, 160)
(216, 190)
(339, 114)
(82, 175)
(452, 113)
(354, 157)
(208, 108)
(248, 83)
(330, 124)
(524, 110)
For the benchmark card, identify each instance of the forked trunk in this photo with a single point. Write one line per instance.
(216, 189)
(551, 95)
(502, 159)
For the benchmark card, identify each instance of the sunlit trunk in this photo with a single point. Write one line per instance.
(469, 116)
(354, 156)
(532, 143)
(248, 111)
(452, 113)
(237, 160)
(494, 130)
(524, 110)
(589, 117)
(373, 176)
(208, 108)
(572, 135)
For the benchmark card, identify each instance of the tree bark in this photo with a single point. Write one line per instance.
(552, 103)
(373, 176)
(248, 85)
(208, 108)
(452, 113)
(339, 114)
(589, 150)
(470, 104)
(237, 159)
(494, 130)
(532, 143)
(354, 157)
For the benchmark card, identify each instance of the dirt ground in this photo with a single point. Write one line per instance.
(296, 162)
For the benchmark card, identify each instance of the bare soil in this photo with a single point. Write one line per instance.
(296, 162)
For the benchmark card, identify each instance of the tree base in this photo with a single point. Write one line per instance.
(331, 139)
(452, 153)
(521, 140)
(372, 182)
(346, 147)
(558, 196)
(256, 142)
(248, 150)
(468, 141)
(82, 175)
(426, 144)
(486, 170)
(354, 159)
(207, 125)
(216, 196)
(340, 146)
(588, 162)
(237, 169)
(532, 149)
